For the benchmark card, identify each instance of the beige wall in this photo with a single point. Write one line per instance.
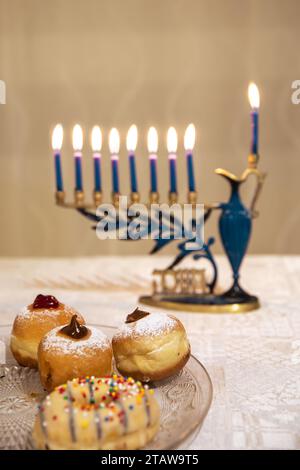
(158, 62)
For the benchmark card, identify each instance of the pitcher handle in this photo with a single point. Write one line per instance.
(260, 177)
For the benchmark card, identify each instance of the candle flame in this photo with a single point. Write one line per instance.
(152, 140)
(253, 95)
(190, 137)
(96, 139)
(77, 137)
(132, 138)
(57, 137)
(114, 141)
(172, 140)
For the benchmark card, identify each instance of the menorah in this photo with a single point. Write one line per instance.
(176, 288)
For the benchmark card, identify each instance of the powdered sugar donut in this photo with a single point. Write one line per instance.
(33, 322)
(150, 346)
(73, 351)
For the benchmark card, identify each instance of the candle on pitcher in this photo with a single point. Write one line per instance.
(152, 143)
(131, 143)
(189, 142)
(114, 147)
(172, 149)
(57, 140)
(77, 147)
(96, 147)
(254, 100)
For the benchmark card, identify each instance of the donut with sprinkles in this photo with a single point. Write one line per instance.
(93, 413)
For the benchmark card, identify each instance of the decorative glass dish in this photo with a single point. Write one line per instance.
(184, 401)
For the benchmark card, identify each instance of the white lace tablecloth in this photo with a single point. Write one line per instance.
(253, 359)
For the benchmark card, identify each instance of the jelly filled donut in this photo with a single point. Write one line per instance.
(97, 413)
(150, 346)
(33, 322)
(73, 351)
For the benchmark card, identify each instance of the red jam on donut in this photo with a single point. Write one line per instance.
(45, 301)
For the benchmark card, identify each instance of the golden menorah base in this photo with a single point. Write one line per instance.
(196, 304)
(187, 290)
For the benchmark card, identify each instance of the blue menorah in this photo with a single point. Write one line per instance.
(189, 289)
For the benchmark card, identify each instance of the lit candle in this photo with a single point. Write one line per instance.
(152, 149)
(172, 149)
(96, 147)
(253, 95)
(114, 147)
(189, 142)
(77, 147)
(57, 140)
(131, 143)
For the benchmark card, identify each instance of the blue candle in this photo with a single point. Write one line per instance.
(96, 146)
(190, 170)
(153, 173)
(254, 126)
(97, 172)
(77, 146)
(58, 172)
(78, 171)
(189, 142)
(173, 176)
(172, 148)
(133, 178)
(57, 140)
(131, 143)
(115, 173)
(114, 147)
(254, 99)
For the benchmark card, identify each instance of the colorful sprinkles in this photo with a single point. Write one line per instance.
(82, 400)
(118, 388)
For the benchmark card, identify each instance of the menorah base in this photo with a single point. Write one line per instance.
(202, 303)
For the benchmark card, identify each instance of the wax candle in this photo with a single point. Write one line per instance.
(57, 140)
(172, 149)
(152, 142)
(254, 99)
(189, 142)
(96, 147)
(131, 143)
(77, 146)
(114, 147)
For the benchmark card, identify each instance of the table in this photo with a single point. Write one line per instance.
(253, 359)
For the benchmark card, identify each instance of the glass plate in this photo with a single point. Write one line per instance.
(184, 401)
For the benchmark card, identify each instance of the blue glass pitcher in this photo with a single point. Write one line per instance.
(235, 224)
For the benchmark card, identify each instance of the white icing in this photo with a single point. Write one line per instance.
(154, 325)
(44, 312)
(25, 312)
(53, 341)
